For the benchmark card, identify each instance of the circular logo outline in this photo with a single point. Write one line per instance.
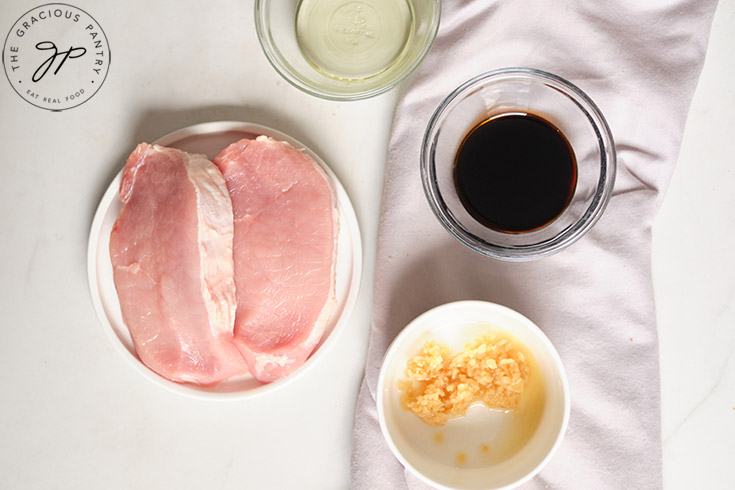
(106, 43)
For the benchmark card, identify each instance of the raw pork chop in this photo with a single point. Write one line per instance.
(285, 252)
(171, 251)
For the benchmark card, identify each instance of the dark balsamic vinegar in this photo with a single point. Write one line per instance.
(515, 172)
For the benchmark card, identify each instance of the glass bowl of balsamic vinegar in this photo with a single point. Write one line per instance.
(518, 163)
(346, 49)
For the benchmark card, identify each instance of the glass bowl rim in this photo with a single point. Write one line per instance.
(286, 71)
(570, 234)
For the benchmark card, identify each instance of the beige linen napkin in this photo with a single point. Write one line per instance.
(639, 61)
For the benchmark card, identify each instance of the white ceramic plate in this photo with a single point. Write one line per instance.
(209, 139)
(431, 453)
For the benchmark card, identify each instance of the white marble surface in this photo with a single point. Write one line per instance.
(73, 413)
(694, 279)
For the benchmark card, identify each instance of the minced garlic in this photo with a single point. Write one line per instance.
(440, 385)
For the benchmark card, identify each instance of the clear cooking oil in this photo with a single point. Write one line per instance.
(354, 40)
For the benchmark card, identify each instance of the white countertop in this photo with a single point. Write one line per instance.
(75, 415)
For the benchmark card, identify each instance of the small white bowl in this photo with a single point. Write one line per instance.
(433, 453)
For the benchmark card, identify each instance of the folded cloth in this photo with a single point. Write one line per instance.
(639, 61)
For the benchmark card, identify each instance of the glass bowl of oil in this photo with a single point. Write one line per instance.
(518, 163)
(346, 49)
